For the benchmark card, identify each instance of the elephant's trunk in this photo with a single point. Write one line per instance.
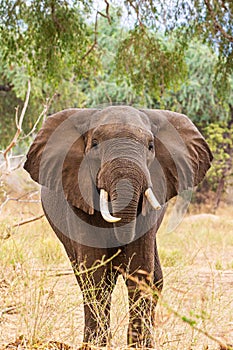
(124, 201)
(125, 183)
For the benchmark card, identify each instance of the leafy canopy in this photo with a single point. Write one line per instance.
(48, 36)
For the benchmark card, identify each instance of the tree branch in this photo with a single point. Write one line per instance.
(19, 122)
(8, 310)
(43, 114)
(95, 38)
(106, 11)
(136, 9)
(217, 25)
(107, 15)
(27, 221)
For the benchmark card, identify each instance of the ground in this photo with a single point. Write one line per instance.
(41, 304)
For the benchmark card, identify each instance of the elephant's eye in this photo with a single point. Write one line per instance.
(94, 143)
(151, 146)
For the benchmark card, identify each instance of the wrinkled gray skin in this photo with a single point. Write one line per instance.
(123, 151)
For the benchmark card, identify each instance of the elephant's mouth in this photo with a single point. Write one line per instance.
(140, 205)
(104, 205)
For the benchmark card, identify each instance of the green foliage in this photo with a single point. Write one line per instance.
(46, 42)
(210, 21)
(150, 63)
(220, 140)
(198, 97)
(46, 37)
(66, 95)
(106, 87)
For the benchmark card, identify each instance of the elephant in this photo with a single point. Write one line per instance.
(107, 176)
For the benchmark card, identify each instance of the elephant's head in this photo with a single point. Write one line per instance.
(120, 161)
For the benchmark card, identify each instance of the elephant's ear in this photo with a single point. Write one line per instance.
(55, 159)
(182, 156)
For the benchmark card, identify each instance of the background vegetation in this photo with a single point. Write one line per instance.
(150, 53)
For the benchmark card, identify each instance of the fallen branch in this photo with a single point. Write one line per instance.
(27, 221)
(19, 199)
(7, 310)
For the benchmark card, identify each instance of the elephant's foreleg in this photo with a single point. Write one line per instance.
(96, 289)
(97, 318)
(141, 316)
(142, 302)
(158, 274)
(143, 298)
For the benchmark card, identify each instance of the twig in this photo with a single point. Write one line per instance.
(42, 114)
(6, 200)
(100, 264)
(7, 310)
(136, 9)
(56, 273)
(29, 194)
(27, 221)
(24, 106)
(107, 12)
(19, 122)
(19, 164)
(19, 199)
(95, 38)
(107, 15)
(25, 200)
(55, 269)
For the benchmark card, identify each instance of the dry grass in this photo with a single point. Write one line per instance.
(41, 302)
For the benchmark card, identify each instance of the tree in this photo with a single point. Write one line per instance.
(198, 95)
(47, 36)
(220, 139)
(14, 80)
(108, 85)
(199, 98)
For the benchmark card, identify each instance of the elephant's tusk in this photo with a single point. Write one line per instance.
(104, 207)
(152, 200)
